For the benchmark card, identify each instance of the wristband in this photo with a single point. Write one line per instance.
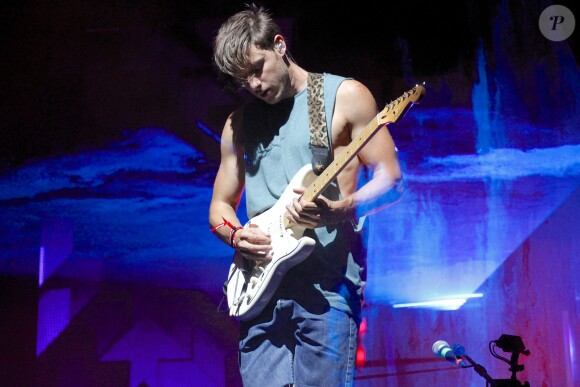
(224, 223)
(233, 236)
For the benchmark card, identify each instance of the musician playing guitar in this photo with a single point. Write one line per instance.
(306, 333)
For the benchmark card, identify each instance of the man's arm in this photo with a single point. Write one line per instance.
(355, 108)
(358, 107)
(228, 187)
(227, 192)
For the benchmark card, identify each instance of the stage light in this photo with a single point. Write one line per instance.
(363, 327)
(361, 357)
(454, 302)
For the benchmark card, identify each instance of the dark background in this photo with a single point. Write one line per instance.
(76, 74)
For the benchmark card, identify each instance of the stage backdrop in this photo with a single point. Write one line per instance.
(112, 114)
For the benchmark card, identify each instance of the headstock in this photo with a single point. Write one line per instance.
(396, 109)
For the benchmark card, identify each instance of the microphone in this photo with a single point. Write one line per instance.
(442, 349)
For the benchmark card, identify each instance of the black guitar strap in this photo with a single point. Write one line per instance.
(319, 144)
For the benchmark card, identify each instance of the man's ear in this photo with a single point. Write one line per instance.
(279, 44)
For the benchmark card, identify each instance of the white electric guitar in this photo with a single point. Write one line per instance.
(250, 285)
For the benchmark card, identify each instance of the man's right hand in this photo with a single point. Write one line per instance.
(254, 244)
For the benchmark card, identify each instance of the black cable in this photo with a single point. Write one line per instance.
(494, 354)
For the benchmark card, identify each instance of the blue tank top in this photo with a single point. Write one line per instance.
(276, 143)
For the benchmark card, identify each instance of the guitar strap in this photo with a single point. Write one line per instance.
(319, 144)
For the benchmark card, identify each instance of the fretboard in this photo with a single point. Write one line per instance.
(330, 173)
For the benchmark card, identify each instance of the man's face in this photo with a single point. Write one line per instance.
(266, 75)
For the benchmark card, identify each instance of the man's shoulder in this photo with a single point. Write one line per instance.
(331, 77)
(337, 82)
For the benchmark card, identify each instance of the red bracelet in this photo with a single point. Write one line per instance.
(233, 236)
(224, 223)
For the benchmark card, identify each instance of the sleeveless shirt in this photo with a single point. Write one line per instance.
(276, 143)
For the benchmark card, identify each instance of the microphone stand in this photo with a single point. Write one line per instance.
(513, 382)
(479, 369)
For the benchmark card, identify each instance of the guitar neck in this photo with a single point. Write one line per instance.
(391, 113)
(330, 173)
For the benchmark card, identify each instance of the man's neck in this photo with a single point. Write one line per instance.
(298, 77)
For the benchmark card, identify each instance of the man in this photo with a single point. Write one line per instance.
(306, 335)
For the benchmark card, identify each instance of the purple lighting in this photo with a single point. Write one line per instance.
(41, 266)
(53, 317)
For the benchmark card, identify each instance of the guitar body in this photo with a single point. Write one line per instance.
(250, 285)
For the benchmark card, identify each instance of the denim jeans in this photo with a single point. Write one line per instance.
(292, 346)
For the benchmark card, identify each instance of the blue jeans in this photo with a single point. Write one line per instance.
(290, 345)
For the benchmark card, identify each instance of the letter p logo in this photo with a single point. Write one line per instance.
(557, 23)
(557, 20)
